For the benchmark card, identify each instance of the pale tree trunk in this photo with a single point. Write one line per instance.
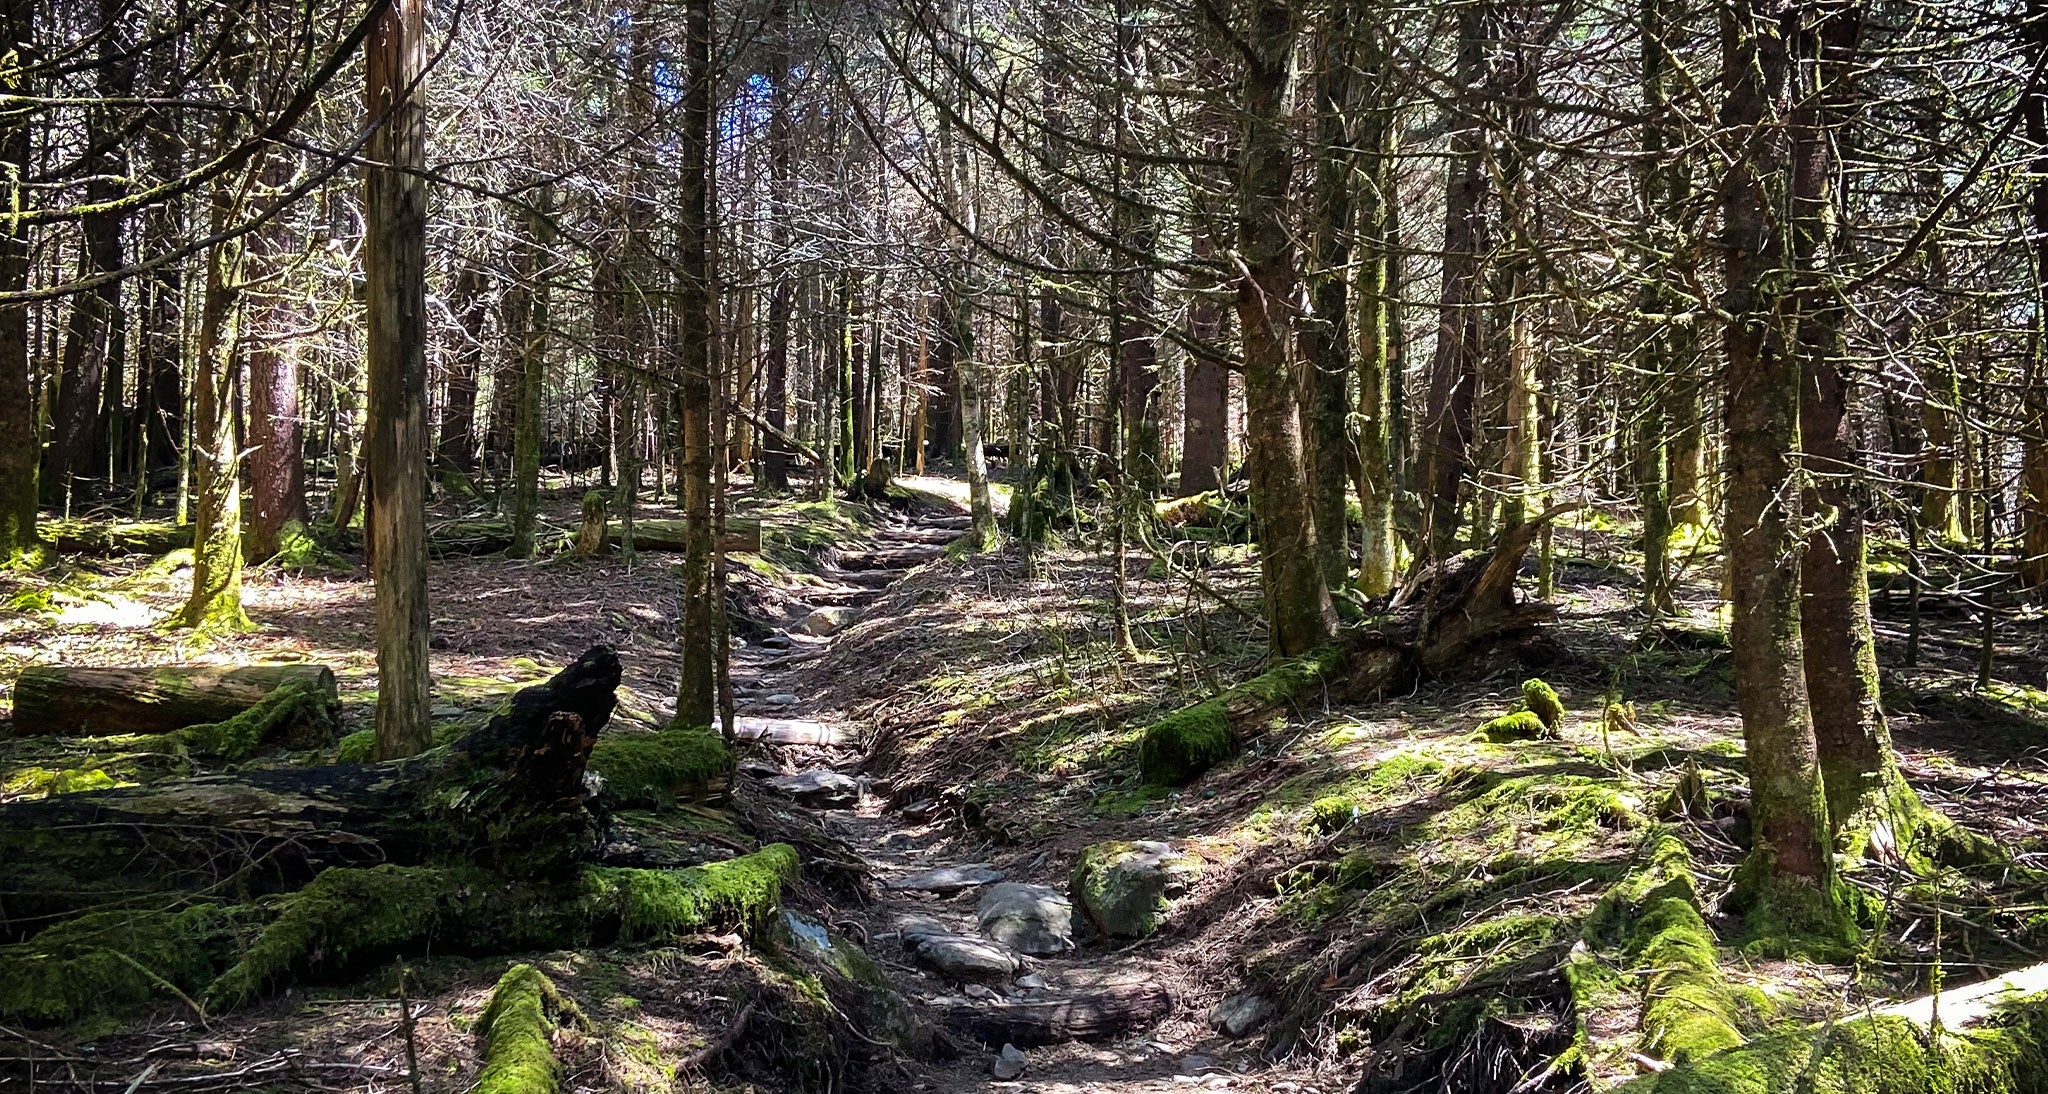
(1521, 444)
(697, 688)
(1791, 865)
(781, 176)
(277, 471)
(1299, 611)
(395, 267)
(18, 451)
(1378, 435)
(215, 602)
(962, 197)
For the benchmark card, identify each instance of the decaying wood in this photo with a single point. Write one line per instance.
(57, 700)
(1028, 1023)
(510, 795)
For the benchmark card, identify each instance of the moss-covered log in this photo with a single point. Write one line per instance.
(1999, 1045)
(1435, 623)
(509, 796)
(517, 1034)
(59, 700)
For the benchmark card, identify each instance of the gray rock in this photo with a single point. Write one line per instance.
(819, 786)
(780, 699)
(1030, 919)
(982, 992)
(956, 956)
(1240, 1014)
(921, 809)
(1032, 981)
(947, 879)
(1195, 1065)
(774, 642)
(823, 621)
(1009, 1063)
(1126, 887)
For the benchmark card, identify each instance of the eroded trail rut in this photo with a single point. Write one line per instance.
(984, 938)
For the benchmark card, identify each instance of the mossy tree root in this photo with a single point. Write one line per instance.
(517, 1033)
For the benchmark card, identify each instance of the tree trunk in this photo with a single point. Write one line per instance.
(103, 702)
(1325, 337)
(457, 448)
(276, 441)
(1791, 855)
(215, 602)
(1658, 182)
(1379, 435)
(1298, 606)
(18, 433)
(697, 693)
(1460, 341)
(394, 261)
(2034, 488)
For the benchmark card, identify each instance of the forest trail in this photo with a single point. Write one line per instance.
(1099, 1015)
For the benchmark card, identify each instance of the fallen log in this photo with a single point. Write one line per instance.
(60, 700)
(1029, 1023)
(509, 796)
(81, 536)
(886, 558)
(742, 534)
(1437, 621)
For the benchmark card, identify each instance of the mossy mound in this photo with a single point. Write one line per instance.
(103, 963)
(1522, 725)
(1184, 744)
(652, 770)
(658, 905)
(517, 1034)
(1541, 700)
(1876, 1054)
(1332, 813)
(299, 714)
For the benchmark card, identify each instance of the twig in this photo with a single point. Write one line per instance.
(710, 1052)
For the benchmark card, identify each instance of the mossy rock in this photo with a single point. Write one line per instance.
(856, 984)
(1522, 725)
(1331, 814)
(653, 770)
(1126, 888)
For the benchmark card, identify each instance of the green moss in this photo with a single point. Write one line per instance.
(1522, 725)
(1182, 745)
(1186, 743)
(652, 770)
(1542, 701)
(300, 713)
(517, 1031)
(651, 906)
(344, 914)
(356, 748)
(1326, 815)
(105, 962)
(1876, 1054)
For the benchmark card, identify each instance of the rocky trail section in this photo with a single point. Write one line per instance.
(1030, 968)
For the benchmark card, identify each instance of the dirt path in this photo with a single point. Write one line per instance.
(1097, 1015)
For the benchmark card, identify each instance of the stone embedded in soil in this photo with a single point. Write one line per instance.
(947, 879)
(1032, 982)
(819, 786)
(1195, 1065)
(921, 809)
(1127, 887)
(780, 699)
(823, 622)
(776, 641)
(1240, 1014)
(1009, 1063)
(787, 731)
(956, 955)
(1032, 919)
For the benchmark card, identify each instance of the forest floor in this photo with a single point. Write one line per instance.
(1382, 898)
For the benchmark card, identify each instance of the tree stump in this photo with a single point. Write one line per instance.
(591, 538)
(62, 701)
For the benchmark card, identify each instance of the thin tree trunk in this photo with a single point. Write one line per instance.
(1379, 437)
(457, 448)
(2034, 485)
(1791, 865)
(1325, 337)
(529, 408)
(1205, 389)
(395, 266)
(697, 690)
(18, 433)
(1299, 610)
